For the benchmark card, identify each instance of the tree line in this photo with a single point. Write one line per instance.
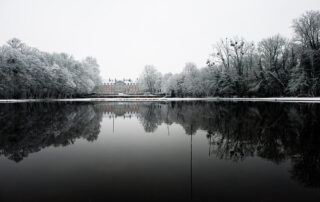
(275, 66)
(26, 72)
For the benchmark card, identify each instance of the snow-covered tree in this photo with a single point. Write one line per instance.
(165, 83)
(307, 33)
(26, 72)
(150, 79)
(191, 80)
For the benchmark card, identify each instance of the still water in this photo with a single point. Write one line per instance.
(176, 151)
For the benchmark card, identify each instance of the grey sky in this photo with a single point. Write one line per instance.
(126, 35)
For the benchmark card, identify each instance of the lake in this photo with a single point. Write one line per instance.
(159, 151)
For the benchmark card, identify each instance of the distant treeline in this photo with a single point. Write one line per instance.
(26, 72)
(276, 66)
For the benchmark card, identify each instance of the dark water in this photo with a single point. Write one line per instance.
(177, 151)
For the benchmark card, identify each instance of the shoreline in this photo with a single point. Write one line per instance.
(213, 99)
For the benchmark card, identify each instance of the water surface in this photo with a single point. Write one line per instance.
(157, 151)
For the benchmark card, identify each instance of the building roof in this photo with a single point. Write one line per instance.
(126, 81)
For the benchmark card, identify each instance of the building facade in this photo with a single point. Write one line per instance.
(116, 87)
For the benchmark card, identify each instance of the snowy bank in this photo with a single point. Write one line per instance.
(213, 99)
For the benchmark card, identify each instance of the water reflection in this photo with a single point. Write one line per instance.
(235, 132)
(28, 128)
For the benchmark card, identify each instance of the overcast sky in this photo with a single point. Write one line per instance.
(124, 36)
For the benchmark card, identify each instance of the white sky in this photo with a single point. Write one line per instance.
(124, 36)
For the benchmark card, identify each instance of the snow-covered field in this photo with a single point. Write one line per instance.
(214, 99)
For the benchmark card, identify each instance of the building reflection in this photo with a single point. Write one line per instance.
(114, 110)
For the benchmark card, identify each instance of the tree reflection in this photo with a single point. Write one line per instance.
(29, 127)
(150, 116)
(277, 132)
(236, 131)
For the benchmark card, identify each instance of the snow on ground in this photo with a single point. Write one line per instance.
(214, 99)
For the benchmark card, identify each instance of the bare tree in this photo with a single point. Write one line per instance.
(307, 29)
